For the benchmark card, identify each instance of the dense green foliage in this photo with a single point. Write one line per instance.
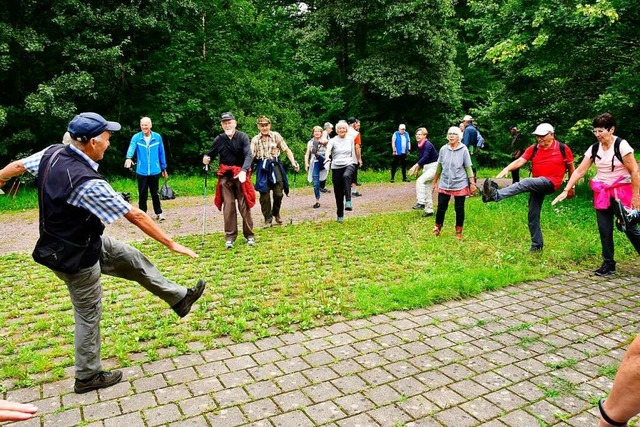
(183, 62)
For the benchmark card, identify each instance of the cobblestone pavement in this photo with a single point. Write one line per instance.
(534, 354)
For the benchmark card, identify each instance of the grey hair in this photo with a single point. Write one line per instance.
(342, 123)
(456, 130)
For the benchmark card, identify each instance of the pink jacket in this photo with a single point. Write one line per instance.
(602, 193)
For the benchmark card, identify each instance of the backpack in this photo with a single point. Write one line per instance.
(563, 151)
(479, 140)
(616, 152)
(166, 192)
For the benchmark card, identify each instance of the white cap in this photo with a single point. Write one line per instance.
(467, 118)
(543, 129)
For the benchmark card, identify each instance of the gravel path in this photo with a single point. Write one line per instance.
(184, 214)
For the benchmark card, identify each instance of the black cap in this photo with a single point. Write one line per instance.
(226, 116)
(351, 120)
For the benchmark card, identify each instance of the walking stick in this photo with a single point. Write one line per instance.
(14, 188)
(204, 204)
(295, 175)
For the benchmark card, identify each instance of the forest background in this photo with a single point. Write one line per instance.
(418, 62)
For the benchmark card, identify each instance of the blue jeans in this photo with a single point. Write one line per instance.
(537, 188)
(316, 179)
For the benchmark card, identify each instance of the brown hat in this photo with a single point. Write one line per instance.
(263, 120)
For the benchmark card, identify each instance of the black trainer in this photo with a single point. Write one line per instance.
(103, 379)
(606, 269)
(489, 190)
(418, 206)
(184, 306)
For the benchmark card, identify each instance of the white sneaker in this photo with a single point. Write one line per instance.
(160, 217)
(228, 244)
(251, 241)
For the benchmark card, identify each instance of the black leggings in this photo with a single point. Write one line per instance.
(342, 186)
(443, 205)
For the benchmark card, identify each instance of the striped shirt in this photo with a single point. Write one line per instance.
(95, 195)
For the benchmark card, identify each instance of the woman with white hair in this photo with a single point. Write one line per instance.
(344, 158)
(454, 177)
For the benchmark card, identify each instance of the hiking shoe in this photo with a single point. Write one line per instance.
(535, 249)
(251, 241)
(355, 193)
(489, 190)
(184, 306)
(102, 379)
(418, 206)
(228, 244)
(606, 269)
(392, 180)
(347, 206)
(324, 190)
(405, 180)
(160, 217)
(278, 219)
(316, 206)
(340, 219)
(426, 214)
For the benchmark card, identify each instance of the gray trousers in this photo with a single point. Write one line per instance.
(118, 260)
(537, 188)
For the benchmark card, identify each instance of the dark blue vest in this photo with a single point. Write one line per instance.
(68, 171)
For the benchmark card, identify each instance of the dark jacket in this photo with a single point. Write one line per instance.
(59, 218)
(265, 175)
(233, 152)
(427, 154)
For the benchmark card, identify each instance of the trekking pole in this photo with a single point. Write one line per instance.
(204, 204)
(295, 175)
(14, 188)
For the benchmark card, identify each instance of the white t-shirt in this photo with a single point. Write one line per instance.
(603, 163)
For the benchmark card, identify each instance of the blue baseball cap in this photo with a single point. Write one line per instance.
(85, 126)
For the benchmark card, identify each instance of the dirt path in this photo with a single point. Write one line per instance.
(19, 230)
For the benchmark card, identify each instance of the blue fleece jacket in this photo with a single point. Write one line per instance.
(151, 157)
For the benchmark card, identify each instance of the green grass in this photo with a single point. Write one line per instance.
(297, 277)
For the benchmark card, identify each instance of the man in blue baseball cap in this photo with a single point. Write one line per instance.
(74, 203)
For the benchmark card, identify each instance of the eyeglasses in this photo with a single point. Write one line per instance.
(599, 130)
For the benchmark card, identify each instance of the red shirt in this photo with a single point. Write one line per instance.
(549, 163)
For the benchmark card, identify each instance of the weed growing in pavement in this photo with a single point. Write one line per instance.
(608, 371)
(296, 277)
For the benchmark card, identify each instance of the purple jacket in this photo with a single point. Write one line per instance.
(427, 154)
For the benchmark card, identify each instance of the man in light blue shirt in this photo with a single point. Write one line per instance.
(74, 203)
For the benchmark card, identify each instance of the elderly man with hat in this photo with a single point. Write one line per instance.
(266, 147)
(234, 180)
(550, 160)
(469, 139)
(74, 202)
